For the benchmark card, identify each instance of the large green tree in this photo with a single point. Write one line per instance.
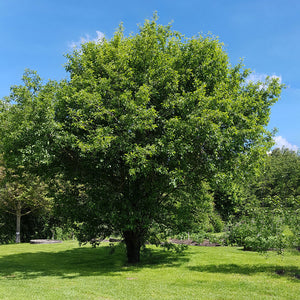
(145, 121)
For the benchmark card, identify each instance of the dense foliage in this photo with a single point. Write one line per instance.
(279, 183)
(271, 212)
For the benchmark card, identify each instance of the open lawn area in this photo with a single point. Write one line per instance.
(67, 271)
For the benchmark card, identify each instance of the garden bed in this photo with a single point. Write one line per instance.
(205, 243)
(45, 241)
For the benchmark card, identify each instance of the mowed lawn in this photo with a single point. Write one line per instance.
(67, 271)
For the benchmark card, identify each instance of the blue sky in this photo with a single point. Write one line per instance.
(36, 34)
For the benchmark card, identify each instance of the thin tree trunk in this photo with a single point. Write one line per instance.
(18, 225)
(133, 246)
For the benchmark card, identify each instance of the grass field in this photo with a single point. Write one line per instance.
(67, 271)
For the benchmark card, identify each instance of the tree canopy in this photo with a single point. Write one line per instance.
(142, 123)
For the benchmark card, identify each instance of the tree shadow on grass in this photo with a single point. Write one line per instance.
(85, 261)
(290, 272)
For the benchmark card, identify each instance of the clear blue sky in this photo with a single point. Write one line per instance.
(265, 33)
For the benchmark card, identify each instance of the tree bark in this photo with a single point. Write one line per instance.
(133, 246)
(18, 225)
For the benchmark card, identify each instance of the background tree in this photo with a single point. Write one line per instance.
(21, 194)
(27, 125)
(141, 121)
(25, 136)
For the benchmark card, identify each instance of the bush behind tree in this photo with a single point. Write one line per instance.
(266, 229)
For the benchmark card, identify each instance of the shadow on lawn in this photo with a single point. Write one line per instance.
(85, 261)
(290, 272)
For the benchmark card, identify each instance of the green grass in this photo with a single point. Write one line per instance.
(67, 271)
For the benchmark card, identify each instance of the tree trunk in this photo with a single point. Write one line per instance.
(18, 225)
(133, 246)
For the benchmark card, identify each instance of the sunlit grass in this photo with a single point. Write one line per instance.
(67, 271)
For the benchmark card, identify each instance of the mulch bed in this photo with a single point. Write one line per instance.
(44, 241)
(205, 243)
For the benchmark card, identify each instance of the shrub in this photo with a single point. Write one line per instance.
(292, 230)
(263, 230)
